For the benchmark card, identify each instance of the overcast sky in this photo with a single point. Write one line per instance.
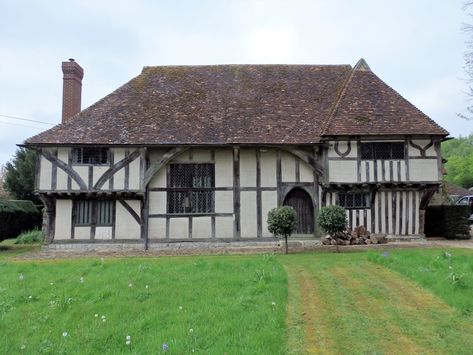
(416, 46)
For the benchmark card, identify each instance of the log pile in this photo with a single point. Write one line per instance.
(358, 236)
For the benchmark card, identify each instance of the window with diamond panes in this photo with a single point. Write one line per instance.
(84, 209)
(354, 200)
(191, 188)
(382, 151)
(98, 156)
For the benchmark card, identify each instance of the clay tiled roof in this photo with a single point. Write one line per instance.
(231, 104)
(368, 106)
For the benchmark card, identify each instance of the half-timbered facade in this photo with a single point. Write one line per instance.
(203, 153)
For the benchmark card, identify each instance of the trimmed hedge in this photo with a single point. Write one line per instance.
(17, 217)
(449, 221)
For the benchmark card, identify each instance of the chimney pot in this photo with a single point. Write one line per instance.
(72, 89)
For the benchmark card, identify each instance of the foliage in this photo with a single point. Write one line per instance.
(282, 222)
(449, 221)
(20, 175)
(332, 219)
(30, 237)
(192, 304)
(16, 217)
(459, 153)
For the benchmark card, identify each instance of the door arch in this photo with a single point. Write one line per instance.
(301, 201)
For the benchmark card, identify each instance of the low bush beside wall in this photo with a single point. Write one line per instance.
(449, 221)
(17, 217)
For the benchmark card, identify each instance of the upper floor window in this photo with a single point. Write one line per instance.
(353, 200)
(192, 188)
(88, 155)
(382, 150)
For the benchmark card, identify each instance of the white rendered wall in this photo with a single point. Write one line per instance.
(126, 227)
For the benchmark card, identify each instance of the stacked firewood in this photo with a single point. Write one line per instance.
(359, 235)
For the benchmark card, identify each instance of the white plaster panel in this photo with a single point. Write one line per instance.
(248, 214)
(63, 219)
(342, 147)
(157, 202)
(182, 158)
(83, 171)
(288, 167)
(126, 227)
(269, 200)
(305, 172)
(119, 176)
(423, 170)
(103, 233)
(248, 167)
(157, 228)
(201, 227)
(224, 168)
(268, 168)
(61, 179)
(159, 179)
(134, 177)
(45, 174)
(343, 171)
(179, 228)
(82, 232)
(201, 155)
(224, 227)
(97, 174)
(414, 152)
(224, 201)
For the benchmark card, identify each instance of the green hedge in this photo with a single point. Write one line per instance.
(17, 217)
(449, 221)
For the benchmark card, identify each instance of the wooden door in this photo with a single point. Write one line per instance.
(302, 202)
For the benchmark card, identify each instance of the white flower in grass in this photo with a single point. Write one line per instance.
(130, 285)
(273, 304)
(96, 315)
(128, 342)
(82, 279)
(103, 317)
(128, 337)
(146, 286)
(180, 308)
(30, 297)
(21, 277)
(23, 347)
(104, 320)
(65, 334)
(191, 331)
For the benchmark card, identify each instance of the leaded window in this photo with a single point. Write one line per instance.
(84, 210)
(382, 151)
(89, 155)
(354, 200)
(191, 188)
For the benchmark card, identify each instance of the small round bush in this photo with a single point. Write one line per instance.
(332, 219)
(282, 222)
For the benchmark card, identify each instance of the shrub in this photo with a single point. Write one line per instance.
(449, 221)
(16, 217)
(30, 237)
(333, 220)
(282, 222)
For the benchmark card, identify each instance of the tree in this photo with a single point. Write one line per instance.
(282, 222)
(333, 220)
(20, 175)
(4, 194)
(459, 153)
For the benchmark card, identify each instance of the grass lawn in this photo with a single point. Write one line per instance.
(355, 303)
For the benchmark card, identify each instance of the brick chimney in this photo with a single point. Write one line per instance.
(72, 89)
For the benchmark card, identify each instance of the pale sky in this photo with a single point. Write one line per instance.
(416, 46)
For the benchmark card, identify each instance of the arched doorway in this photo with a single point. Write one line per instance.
(301, 201)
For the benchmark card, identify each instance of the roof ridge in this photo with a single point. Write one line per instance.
(337, 101)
